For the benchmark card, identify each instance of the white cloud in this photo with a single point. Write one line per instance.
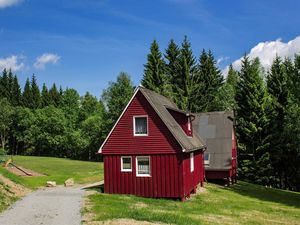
(8, 3)
(267, 51)
(44, 59)
(12, 62)
(222, 59)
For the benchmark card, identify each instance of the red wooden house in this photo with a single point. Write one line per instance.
(220, 158)
(152, 150)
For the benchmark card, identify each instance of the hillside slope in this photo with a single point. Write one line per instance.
(10, 192)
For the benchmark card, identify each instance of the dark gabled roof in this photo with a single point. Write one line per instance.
(216, 129)
(160, 105)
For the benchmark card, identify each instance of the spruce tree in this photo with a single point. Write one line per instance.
(295, 77)
(4, 89)
(232, 76)
(172, 68)
(55, 96)
(277, 86)
(27, 95)
(252, 122)
(35, 92)
(206, 84)
(154, 73)
(10, 86)
(182, 85)
(45, 97)
(15, 92)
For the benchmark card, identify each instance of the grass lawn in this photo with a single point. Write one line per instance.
(55, 169)
(242, 203)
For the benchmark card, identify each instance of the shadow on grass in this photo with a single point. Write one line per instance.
(267, 194)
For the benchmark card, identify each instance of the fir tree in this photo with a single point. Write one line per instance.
(254, 157)
(182, 85)
(10, 85)
(277, 86)
(172, 68)
(154, 73)
(35, 92)
(55, 96)
(45, 97)
(232, 76)
(206, 84)
(295, 77)
(4, 90)
(15, 92)
(27, 95)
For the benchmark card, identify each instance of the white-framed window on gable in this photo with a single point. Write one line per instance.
(126, 163)
(206, 159)
(143, 166)
(140, 125)
(189, 124)
(192, 161)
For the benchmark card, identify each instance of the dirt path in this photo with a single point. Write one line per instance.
(50, 206)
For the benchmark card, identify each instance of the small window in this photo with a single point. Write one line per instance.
(143, 166)
(140, 125)
(189, 124)
(192, 161)
(206, 159)
(126, 165)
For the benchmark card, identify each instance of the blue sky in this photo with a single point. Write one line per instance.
(84, 44)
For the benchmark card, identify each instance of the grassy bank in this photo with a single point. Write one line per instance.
(243, 203)
(55, 169)
(6, 197)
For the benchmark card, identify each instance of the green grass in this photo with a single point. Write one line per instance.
(6, 197)
(242, 203)
(55, 169)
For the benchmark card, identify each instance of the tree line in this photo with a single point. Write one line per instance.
(266, 106)
(59, 122)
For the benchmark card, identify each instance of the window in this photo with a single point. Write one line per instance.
(140, 125)
(206, 159)
(189, 124)
(126, 165)
(143, 166)
(192, 161)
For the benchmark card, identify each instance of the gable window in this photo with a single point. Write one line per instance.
(206, 159)
(192, 161)
(143, 166)
(189, 124)
(126, 164)
(140, 125)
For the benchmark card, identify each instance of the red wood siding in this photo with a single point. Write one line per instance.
(165, 180)
(192, 179)
(182, 120)
(159, 139)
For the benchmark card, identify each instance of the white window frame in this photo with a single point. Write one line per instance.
(126, 170)
(141, 116)
(189, 124)
(206, 162)
(136, 166)
(192, 163)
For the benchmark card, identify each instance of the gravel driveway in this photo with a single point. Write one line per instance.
(50, 206)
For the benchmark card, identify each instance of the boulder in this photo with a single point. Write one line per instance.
(69, 182)
(51, 184)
